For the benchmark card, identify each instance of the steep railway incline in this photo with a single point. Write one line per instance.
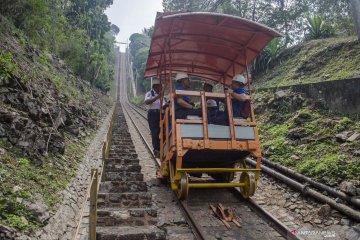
(125, 208)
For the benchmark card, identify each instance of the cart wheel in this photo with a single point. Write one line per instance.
(249, 189)
(183, 187)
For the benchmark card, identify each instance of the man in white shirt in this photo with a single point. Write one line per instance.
(152, 98)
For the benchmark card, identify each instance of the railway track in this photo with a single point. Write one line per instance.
(256, 222)
(346, 209)
(196, 207)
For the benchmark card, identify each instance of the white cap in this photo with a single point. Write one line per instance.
(239, 78)
(155, 81)
(211, 103)
(181, 75)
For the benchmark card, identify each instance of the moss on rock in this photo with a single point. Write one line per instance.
(303, 138)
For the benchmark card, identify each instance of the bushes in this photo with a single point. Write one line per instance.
(318, 28)
(77, 31)
(7, 67)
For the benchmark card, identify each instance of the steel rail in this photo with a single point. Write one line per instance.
(272, 220)
(300, 177)
(306, 190)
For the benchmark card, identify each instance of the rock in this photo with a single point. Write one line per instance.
(7, 232)
(317, 221)
(121, 214)
(49, 57)
(293, 207)
(280, 94)
(33, 108)
(324, 211)
(307, 218)
(348, 188)
(23, 237)
(328, 223)
(2, 151)
(302, 117)
(357, 228)
(16, 189)
(297, 133)
(61, 63)
(60, 119)
(353, 137)
(39, 210)
(342, 137)
(294, 157)
(357, 153)
(345, 221)
(2, 131)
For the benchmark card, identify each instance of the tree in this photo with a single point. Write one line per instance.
(148, 31)
(356, 13)
(139, 49)
(318, 28)
(114, 29)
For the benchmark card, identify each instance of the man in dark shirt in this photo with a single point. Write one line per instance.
(239, 94)
(183, 104)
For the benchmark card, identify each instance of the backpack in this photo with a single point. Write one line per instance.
(246, 109)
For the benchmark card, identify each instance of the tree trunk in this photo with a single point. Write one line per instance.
(96, 75)
(254, 11)
(355, 5)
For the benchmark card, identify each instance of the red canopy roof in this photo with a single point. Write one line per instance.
(210, 45)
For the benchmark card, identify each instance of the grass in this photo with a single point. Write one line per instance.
(138, 100)
(45, 180)
(26, 179)
(314, 61)
(318, 154)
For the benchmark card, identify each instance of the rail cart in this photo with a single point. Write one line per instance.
(214, 47)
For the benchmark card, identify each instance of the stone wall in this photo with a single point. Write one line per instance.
(62, 225)
(341, 96)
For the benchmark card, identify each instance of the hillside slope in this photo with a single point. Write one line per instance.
(300, 132)
(313, 61)
(47, 119)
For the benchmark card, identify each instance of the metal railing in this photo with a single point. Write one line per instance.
(94, 184)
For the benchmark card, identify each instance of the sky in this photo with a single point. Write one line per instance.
(131, 16)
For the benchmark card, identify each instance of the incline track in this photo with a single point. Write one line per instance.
(196, 206)
(256, 223)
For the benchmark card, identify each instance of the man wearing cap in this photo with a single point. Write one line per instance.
(183, 104)
(239, 94)
(152, 98)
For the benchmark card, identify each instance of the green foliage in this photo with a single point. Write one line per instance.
(284, 15)
(313, 61)
(148, 31)
(77, 31)
(343, 124)
(139, 48)
(268, 56)
(23, 180)
(317, 153)
(138, 100)
(7, 67)
(317, 28)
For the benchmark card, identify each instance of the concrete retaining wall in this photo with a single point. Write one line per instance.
(341, 96)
